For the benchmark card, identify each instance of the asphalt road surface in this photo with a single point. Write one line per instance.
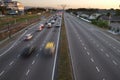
(94, 55)
(35, 67)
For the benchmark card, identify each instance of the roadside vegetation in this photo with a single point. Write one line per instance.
(101, 23)
(11, 25)
(64, 64)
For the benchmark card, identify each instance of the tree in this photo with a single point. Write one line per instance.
(3, 9)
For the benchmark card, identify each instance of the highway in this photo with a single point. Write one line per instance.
(94, 54)
(37, 66)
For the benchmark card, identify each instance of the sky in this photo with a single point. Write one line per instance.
(102, 4)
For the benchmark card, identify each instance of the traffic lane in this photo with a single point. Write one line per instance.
(107, 65)
(97, 41)
(17, 66)
(14, 53)
(106, 38)
(43, 65)
(81, 62)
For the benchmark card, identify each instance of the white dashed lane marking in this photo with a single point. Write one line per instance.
(102, 50)
(88, 53)
(2, 73)
(11, 63)
(33, 62)
(92, 60)
(27, 72)
(114, 62)
(107, 55)
(97, 69)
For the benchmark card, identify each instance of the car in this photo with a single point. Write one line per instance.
(40, 27)
(49, 48)
(28, 36)
(49, 25)
(53, 21)
(28, 51)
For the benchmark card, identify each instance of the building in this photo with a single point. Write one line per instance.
(13, 7)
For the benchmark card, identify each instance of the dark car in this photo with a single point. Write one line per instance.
(28, 51)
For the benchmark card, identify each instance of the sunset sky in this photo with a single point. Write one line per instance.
(102, 4)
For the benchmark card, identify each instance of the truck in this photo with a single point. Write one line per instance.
(49, 48)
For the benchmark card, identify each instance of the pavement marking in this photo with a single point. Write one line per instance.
(88, 53)
(97, 45)
(114, 62)
(33, 62)
(92, 60)
(97, 69)
(101, 49)
(2, 73)
(37, 55)
(85, 48)
(15, 43)
(27, 72)
(114, 47)
(103, 79)
(11, 63)
(83, 44)
(80, 40)
(107, 55)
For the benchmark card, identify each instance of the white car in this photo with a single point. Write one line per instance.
(28, 36)
(49, 25)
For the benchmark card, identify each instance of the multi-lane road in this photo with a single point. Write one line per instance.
(94, 54)
(35, 67)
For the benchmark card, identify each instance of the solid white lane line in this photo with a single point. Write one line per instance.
(97, 69)
(107, 55)
(88, 53)
(11, 63)
(2, 73)
(15, 43)
(27, 72)
(114, 62)
(92, 60)
(33, 62)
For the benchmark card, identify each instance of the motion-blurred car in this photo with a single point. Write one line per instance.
(49, 48)
(28, 36)
(49, 25)
(40, 27)
(28, 51)
(53, 21)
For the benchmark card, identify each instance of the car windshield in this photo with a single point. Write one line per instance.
(64, 39)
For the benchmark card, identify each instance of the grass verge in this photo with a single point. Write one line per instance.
(64, 64)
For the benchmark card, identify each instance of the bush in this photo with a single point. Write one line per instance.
(100, 23)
